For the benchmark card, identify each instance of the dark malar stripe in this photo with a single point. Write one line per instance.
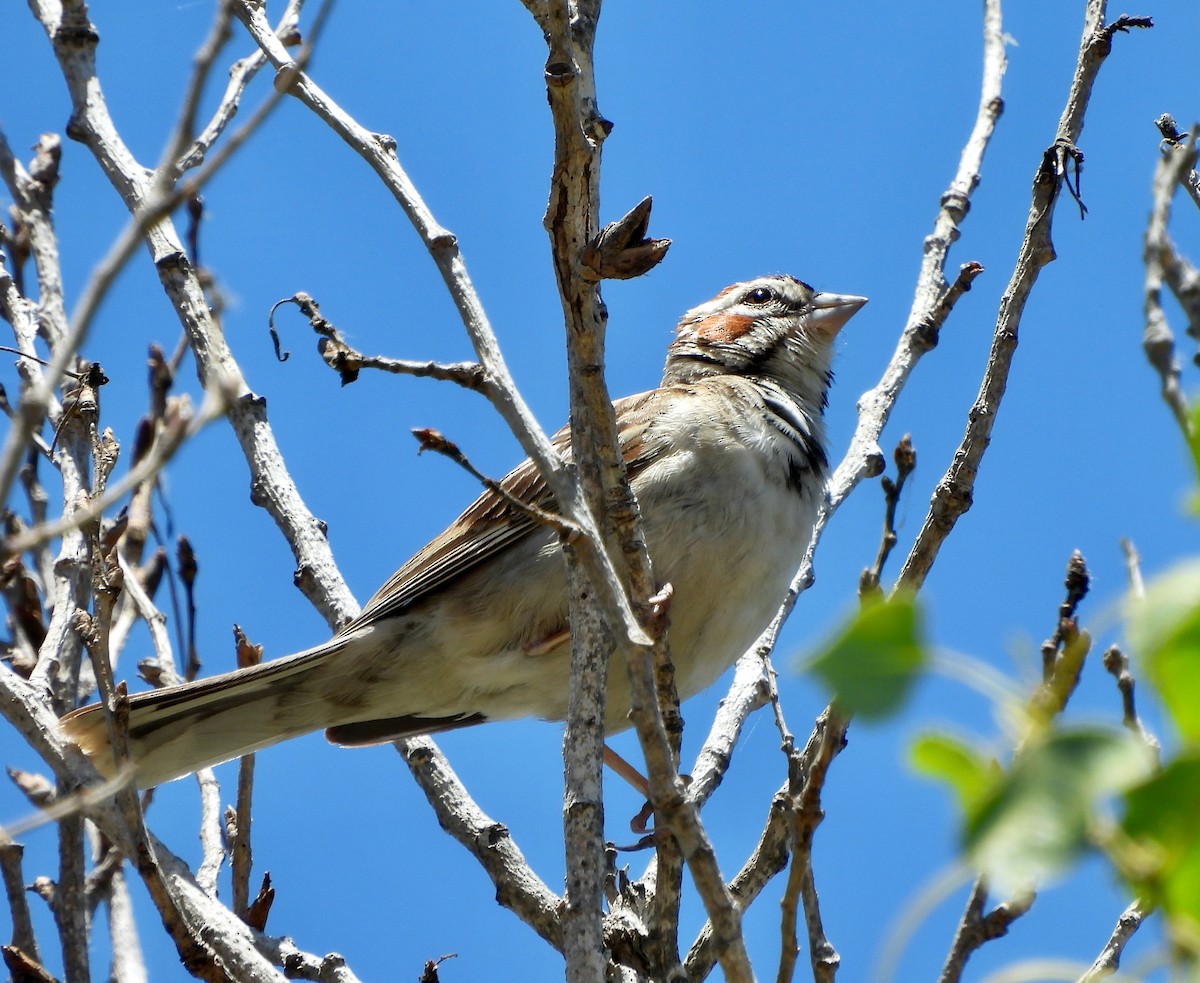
(785, 416)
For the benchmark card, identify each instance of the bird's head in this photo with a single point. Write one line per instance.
(772, 327)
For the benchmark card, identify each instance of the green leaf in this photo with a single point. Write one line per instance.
(871, 665)
(1164, 628)
(968, 772)
(1036, 818)
(1162, 819)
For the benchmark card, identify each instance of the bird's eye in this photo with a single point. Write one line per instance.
(760, 295)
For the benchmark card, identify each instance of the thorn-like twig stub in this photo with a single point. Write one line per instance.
(248, 654)
(260, 907)
(1169, 129)
(622, 250)
(1125, 22)
(43, 168)
(1077, 583)
(430, 973)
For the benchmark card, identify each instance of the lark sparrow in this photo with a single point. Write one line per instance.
(727, 459)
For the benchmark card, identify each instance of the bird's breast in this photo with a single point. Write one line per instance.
(728, 537)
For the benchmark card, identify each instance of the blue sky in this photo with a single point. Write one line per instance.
(774, 138)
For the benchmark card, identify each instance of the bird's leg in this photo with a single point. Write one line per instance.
(627, 771)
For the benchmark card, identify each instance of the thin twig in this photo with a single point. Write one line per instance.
(181, 425)
(1116, 663)
(347, 361)
(976, 928)
(769, 857)
(905, 459)
(431, 440)
(219, 35)
(128, 962)
(809, 773)
(242, 857)
(932, 303)
(1109, 960)
(14, 890)
(32, 199)
(1066, 631)
(166, 193)
(156, 621)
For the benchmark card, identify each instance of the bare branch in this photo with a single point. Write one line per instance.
(219, 35)
(170, 881)
(379, 152)
(1116, 663)
(905, 459)
(14, 890)
(211, 839)
(932, 298)
(128, 964)
(431, 440)
(155, 620)
(166, 192)
(750, 689)
(238, 821)
(297, 965)
(273, 488)
(976, 928)
(932, 303)
(952, 496)
(181, 424)
(1158, 253)
(32, 199)
(347, 361)
(23, 967)
(619, 250)
(1109, 960)
(517, 886)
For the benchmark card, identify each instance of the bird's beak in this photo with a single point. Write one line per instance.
(831, 311)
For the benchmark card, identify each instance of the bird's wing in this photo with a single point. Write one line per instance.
(493, 523)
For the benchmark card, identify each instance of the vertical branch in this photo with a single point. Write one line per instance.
(14, 891)
(933, 297)
(70, 912)
(1158, 341)
(1060, 162)
(571, 221)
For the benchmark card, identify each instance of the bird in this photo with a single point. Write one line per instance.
(728, 460)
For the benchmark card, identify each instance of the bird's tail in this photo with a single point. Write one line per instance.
(180, 729)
